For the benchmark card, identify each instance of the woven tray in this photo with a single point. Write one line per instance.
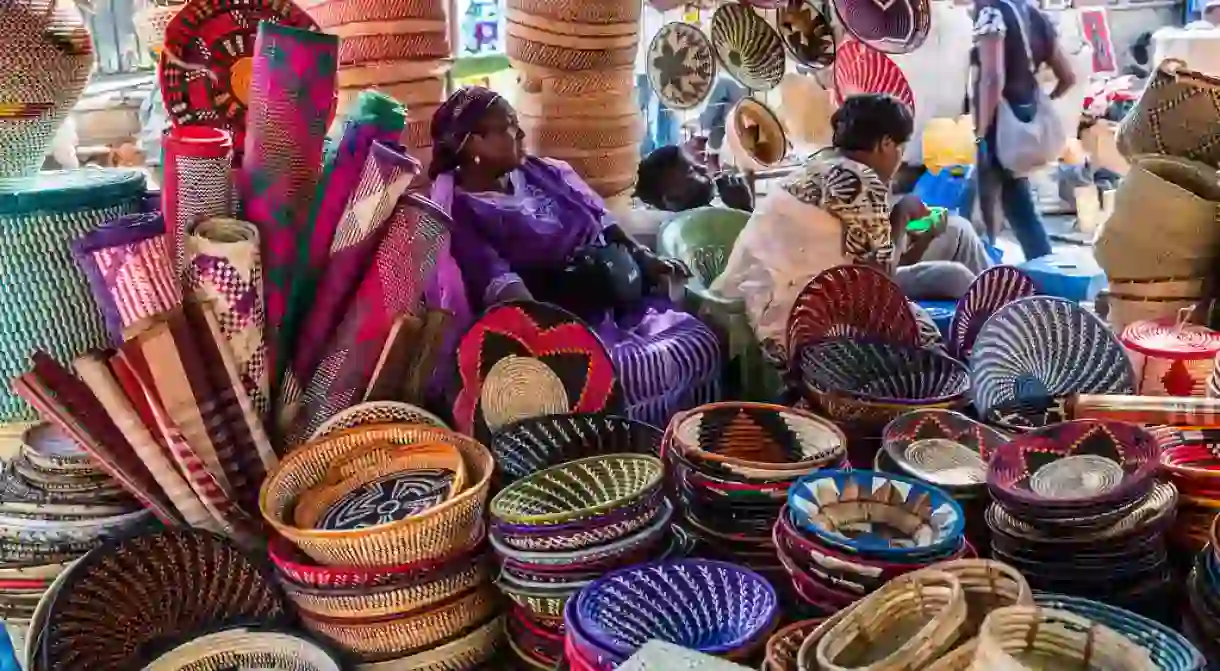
(427, 535)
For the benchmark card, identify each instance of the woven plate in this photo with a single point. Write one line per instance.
(807, 33)
(890, 26)
(860, 69)
(1083, 461)
(681, 65)
(877, 513)
(712, 607)
(524, 359)
(532, 444)
(991, 290)
(854, 302)
(242, 648)
(128, 594)
(1035, 351)
(578, 489)
(945, 448)
(206, 64)
(747, 47)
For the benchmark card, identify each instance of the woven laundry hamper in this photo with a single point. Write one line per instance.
(602, 106)
(1171, 357)
(598, 163)
(151, 21)
(1182, 197)
(546, 135)
(377, 73)
(536, 80)
(580, 11)
(46, 57)
(46, 300)
(1163, 298)
(405, 40)
(330, 13)
(557, 51)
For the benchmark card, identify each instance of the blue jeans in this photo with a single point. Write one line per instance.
(994, 183)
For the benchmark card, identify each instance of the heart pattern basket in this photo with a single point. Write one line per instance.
(747, 47)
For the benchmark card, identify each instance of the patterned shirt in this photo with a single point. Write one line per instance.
(855, 195)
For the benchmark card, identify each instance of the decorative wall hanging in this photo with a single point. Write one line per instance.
(755, 136)
(861, 69)
(681, 65)
(807, 33)
(890, 26)
(748, 47)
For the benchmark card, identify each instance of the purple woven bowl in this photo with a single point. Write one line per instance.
(710, 606)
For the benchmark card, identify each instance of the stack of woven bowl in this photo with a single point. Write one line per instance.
(1077, 509)
(575, 65)
(863, 385)
(844, 534)
(712, 607)
(1195, 472)
(557, 530)
(529, 445)
(1201, 621)
(950, 451)
(400, 48)
(730, 467)
(55, 505)
(389, 560)
(1169, 650)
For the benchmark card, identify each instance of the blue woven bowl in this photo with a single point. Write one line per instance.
(1170, 650)
(879, 514)
(710, 606)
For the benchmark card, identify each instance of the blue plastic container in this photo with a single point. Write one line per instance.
(941, 312)
(1075, 277)
(946, 188)
(8, 657)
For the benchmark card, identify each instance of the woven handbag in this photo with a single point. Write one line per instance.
(1177, 115)
(46, 54)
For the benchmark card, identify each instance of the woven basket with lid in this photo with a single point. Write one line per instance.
(46, 55)
(1171, 357)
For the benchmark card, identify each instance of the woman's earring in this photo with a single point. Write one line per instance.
(477, 160)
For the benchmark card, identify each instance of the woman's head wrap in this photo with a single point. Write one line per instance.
(453, 122)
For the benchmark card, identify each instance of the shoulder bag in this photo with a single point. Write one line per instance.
(1025, 146)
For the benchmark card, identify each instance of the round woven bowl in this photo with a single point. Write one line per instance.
(991, 290)
(908, 623)
(883, 373)
(784, 645)
(530, 445)
(747, 47)
(461, 654)
(942, 447)
(377, 639)
(754, 438)
(1077, 463)
(397, 598)
(596, 530)
(1057, 636)
(755, 136)
(376, 412)
(242, 647)
(884, 515)
(851, 302)
(352, 478)
(1168, 648)
(712, 607)
(427, 535)
(578, 489)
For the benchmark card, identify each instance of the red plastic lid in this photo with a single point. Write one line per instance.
(1168, 339)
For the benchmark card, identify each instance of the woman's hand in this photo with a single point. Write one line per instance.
(656, 268)
(735, 191)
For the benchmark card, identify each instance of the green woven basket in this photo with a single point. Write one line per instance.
(45, 302)
(578, 489)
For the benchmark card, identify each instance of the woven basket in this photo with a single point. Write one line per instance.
(883, 622)
(1171, 357)
(386, 638)
(427, 91)
(613, 105)
(1134, 301)
(959, 659)
(573, 33)
(331, 13)
(394, 599)
(361, 49)
(46, 298)
(48, 55)
(418, 132)
(429, 534)
(548, 137)
(1177, 115)
(783, 646)
(1069, 639)
(535, 80)
(462, 654)
(989, 585)
(593, 163)
(576, 11)
(366, 75)
(548, 50)
(376, 412)
(150, 24)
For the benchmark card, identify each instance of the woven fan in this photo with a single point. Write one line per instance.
(748, 47)
(853, 302)
(861, 69)
(991, 290)
(525, 359)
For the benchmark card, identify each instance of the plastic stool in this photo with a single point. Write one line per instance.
(946, 188)
(1074, 277)
(941, 312)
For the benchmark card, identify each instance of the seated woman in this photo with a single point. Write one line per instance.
(836, 210)
(529, 228)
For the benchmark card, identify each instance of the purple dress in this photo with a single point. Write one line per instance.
(667, 361)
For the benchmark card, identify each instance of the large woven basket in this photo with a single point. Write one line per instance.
(585, 108)
(331, 13)
(576, 33)
(384, 72)
(593, 163)
(1134, 301)
(536, 80)
(543, 49)
(46, 298)
(432, 533)
(46, 55)
(579, 11)
(1177, 115)
(550, 136)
